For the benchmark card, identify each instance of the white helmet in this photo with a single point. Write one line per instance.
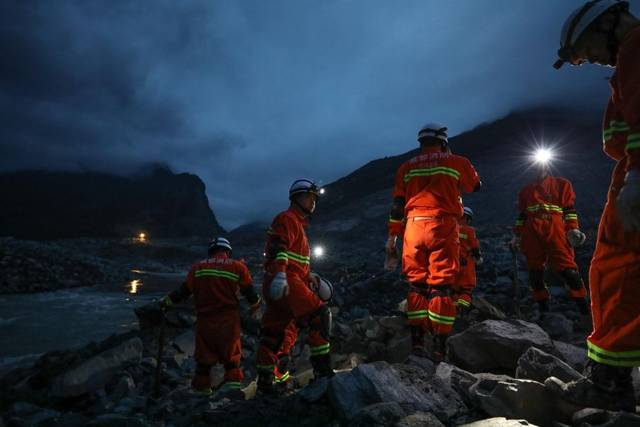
(304, 186)
(468, 211)
(577, 23)
(324, 289)
(220, 242)
(435, 130)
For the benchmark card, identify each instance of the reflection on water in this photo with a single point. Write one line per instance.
(37, 323)
(133, 286)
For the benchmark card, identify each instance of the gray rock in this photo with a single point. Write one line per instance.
(590, 416)
(498, 422)
(537, 365)
(495, 345)
(575, 356)
(115, 420)
(93, 373)
(420, 419)
(185, 343)
(557, 325)
(379, 414)
(372, 383)
(623, 419)
(395, 323)
(488, 310)
(125, 388)
(398, 348)
(32, 414)
(315, 391)
(456, 378)
(516, 398)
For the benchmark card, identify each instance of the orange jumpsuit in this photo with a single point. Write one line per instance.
(427, 205)
(466, 278)
(546, 214)
(287, 250)
(215, 283)
(615, 268)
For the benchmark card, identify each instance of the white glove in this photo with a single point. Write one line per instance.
(279, 286)
(576, 237)
(628, 201)
(392, 258)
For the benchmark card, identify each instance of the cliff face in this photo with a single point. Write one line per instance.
(50, 205)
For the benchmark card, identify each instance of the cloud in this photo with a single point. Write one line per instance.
(251, 95)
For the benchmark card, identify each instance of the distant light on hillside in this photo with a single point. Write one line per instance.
(142, 237)
(322, 191)
(318, 251)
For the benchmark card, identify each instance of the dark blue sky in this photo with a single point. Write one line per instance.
(250, 95)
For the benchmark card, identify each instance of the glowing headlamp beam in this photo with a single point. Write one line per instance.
(542, 156)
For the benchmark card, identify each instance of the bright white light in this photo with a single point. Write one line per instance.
(142, 237)
(543, 156)
(318, 251)
(134, 285)
(322, 191)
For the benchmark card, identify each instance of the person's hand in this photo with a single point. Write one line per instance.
(576, 237)
(392, 258)
(628, 201)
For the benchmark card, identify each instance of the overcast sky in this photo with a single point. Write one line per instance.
(250, 95)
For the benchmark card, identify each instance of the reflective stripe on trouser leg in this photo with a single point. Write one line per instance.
(442, 313)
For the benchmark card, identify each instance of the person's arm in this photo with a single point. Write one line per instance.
(396, 216)
(246, 287)
(279, 236)
(569, 213)
(182, 293)
(628, 72)
(469, 179)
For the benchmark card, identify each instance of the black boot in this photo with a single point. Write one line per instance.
(417, 341)
(583, 307)
(604, 386)
(543, 306)
(322, 366)
(265, 382)
(439, 347)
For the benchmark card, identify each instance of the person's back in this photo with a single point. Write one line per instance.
(425, 212)
(215, 283)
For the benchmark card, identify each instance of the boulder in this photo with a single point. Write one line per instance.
(379, 414)
(185, 343)
(557, 325)
(31, 414)
(373, 383)
(537, 365)
(495, 345)
(420, 419)
(515, 398)
(487, 310)
(498, 422)
(96, 371)
(575, 356)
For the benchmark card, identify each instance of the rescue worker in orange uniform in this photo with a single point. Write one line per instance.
(605, 33)
(470, 256)
(425, 211)
(547, 230)
(287, 290)
(215, 283)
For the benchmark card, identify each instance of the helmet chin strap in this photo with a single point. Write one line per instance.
(306, 211)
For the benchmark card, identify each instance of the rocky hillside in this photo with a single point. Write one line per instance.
(52, 205)
(499, 152)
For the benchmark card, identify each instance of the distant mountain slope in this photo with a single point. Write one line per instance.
(46, 205)
(499, 150)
